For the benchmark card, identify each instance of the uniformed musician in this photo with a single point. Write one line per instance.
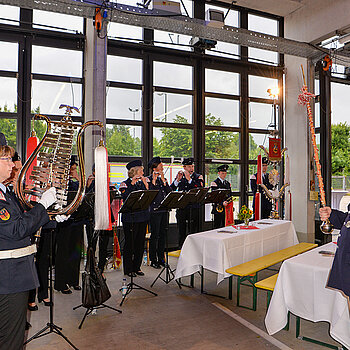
(219, 208)
(266, 205)
(135, 224)
(18, 272)
(188, 217)
(159, 218)
(339, 277)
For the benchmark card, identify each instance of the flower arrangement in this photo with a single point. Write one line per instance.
(245, 214)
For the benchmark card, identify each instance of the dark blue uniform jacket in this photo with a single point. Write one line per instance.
(266, 205)
(163, 191)
(125, 189)
(184, 185)
(221, 185)
(339, 277)
(16, 228)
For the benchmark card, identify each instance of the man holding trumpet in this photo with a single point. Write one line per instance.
(188, 217)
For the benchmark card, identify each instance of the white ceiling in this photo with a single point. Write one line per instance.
(277, 7)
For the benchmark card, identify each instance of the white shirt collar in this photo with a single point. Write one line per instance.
(3, 187)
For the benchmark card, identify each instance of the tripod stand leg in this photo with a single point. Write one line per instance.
(112, 308)
(37, 334)
(87, 312)
(57, 331)
(146, 290)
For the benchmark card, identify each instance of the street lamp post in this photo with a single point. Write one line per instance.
(133, 111)
(165, 104)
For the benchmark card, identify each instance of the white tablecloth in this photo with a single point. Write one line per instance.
(300, 289)
(217, 251)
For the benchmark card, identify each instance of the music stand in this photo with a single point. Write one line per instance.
(136, 201)
(51, 327)
(199, 196)
(174, 200)
(214, 197)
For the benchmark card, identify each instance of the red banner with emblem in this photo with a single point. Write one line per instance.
(275, 149)
(229, 220)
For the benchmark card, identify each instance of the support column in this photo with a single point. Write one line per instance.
(297, 140)
(95, 73)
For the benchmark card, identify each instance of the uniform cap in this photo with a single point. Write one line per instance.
(188, 161)
(264, 160)
(133, 163)
(223, 167)
(154, 162)
(3, 141)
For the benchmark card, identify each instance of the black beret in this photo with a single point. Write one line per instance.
(16, 157)
(154, 162)
(264, 160)
(188, 161)
(3, 141)
(223, 167)
(133, 163)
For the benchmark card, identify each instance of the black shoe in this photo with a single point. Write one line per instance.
(46, 303)
(66, 291)
(131, 274)
(76, 287)
(140, 273)
(161, 263)
(28, 325)
(33, 308)
(155, 265)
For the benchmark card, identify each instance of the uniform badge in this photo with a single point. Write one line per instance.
(2, 197)
(347, 225)
(4, 214)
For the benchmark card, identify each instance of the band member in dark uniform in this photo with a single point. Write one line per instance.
(266, 205)
(18, 272)
(69, 242)
(188, 217)
(134, 224)
(159, 219)
(219, 208)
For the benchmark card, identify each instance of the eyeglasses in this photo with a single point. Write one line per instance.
(8, 159)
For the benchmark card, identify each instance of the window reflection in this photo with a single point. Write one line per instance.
(124, 104)
(10, 60)
(221, 82)
(123, 140)
(221, 112)
(48, 60)
(174, 108)
(221, 144)
(47, 96)
(176, 142)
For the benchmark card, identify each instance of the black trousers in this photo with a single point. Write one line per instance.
(134, 245)
(103, 240)
(159, 227)
(13, 311)
(187, 218)
(69, 246)
(219, 219)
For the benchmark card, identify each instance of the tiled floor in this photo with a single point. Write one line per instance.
(175, 319)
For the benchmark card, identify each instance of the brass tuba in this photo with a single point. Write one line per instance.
(220, 208)
(53, 155)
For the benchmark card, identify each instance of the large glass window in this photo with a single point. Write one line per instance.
(258, 86)
(221, 112)
(174, 108)
(267, 26)
(9, 128)
(48, 60)
(124, 69)
(47, 96)
(173, 75)
(124, 32)
(176, 142)
(8, 61)
(233, 175)
(221, 82)
(255, 140)
(8, 94)
(262, 115)
(9, 14)
(57, 21)
(221, 144)
(124, 104)
(123, 140)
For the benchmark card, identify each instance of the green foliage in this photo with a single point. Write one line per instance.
(244, 213)
(341, 149)
(9, 128)
(120, 142)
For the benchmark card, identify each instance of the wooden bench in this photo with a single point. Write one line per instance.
(268, 284)
(249, 271)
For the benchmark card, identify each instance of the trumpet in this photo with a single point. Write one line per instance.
(220, 208)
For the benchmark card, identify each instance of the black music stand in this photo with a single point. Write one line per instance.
(174, 200)
(51, 327)
(199, 196)
(136, 201)
(214, 197)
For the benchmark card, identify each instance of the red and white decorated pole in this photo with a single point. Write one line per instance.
(257, 206)
(304, 98)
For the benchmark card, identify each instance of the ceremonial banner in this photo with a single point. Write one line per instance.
(275, 149)
(229, 220)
